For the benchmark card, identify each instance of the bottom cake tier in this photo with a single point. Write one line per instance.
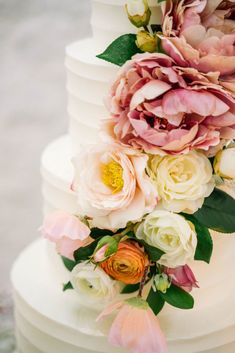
(50, 321)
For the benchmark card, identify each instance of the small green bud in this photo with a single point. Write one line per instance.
(106, 247)
(146, 42)
(161, 283)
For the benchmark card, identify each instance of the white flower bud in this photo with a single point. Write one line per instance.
(224, 163)
(138, 12)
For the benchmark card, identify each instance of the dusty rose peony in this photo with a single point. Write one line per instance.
(158, 106)
(135, 327)
(112, 185)
(182, 277)
(200, 34)
(66, 231)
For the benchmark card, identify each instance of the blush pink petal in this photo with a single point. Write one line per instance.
(186, 101)
(66, 246)
(200, 34)
(228, 133)
(66, 231)
(109, 310)
(151, 90)
(136, 329)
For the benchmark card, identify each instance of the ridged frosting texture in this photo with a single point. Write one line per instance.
(43, 328)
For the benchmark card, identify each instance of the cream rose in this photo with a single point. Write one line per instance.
(170, 233)
(224, 163)
(182, 181)
(112, 186)
(93, 285)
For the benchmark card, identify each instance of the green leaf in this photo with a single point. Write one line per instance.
(159, 1)
(154, 253)
(111, 242)
(69, 264)
(177, 297)
(155, 301)
(67, 286)
(84, 253)
(121, 50)
(218, 212)
(98, 233)
(130, 288)
(204, 240)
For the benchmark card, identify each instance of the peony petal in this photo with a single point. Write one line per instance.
(151, 90)
(194, 35)
(223, 64)
(180, 100)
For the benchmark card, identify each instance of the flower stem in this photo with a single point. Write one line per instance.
(146, 28)
(143, 281)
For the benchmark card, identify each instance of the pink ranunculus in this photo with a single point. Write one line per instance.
(160, 107)
(200, 34)
(135, 327)
(66, 231)
(112, 185)
(182, 277)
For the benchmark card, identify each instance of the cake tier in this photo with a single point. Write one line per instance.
(88, 80)
(51, 321)
(109, 21)
(214, 302)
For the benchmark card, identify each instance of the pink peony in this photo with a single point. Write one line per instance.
(112, 185)
(66, 231)
(158, 106)
(182, 277)
(135, 327)
(200, 34)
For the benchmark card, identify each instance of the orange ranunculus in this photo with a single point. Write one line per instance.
(128, 264)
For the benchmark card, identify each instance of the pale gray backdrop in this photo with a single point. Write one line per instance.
(33, 34)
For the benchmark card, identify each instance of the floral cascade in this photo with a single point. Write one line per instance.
(149, 193)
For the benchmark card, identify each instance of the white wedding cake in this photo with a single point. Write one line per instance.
(49, 320)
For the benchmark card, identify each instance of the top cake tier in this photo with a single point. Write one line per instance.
(109, 21)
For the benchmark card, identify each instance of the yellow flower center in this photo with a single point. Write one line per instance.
(112, 176)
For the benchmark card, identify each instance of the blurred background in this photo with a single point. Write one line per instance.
(33, 35)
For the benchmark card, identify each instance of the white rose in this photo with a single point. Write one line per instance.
(182, 181)
(112, 186)
(224, 163)
(93, 285)
(170, 233)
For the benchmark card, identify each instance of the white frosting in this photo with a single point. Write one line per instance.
(88, 80)
(51, 321)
